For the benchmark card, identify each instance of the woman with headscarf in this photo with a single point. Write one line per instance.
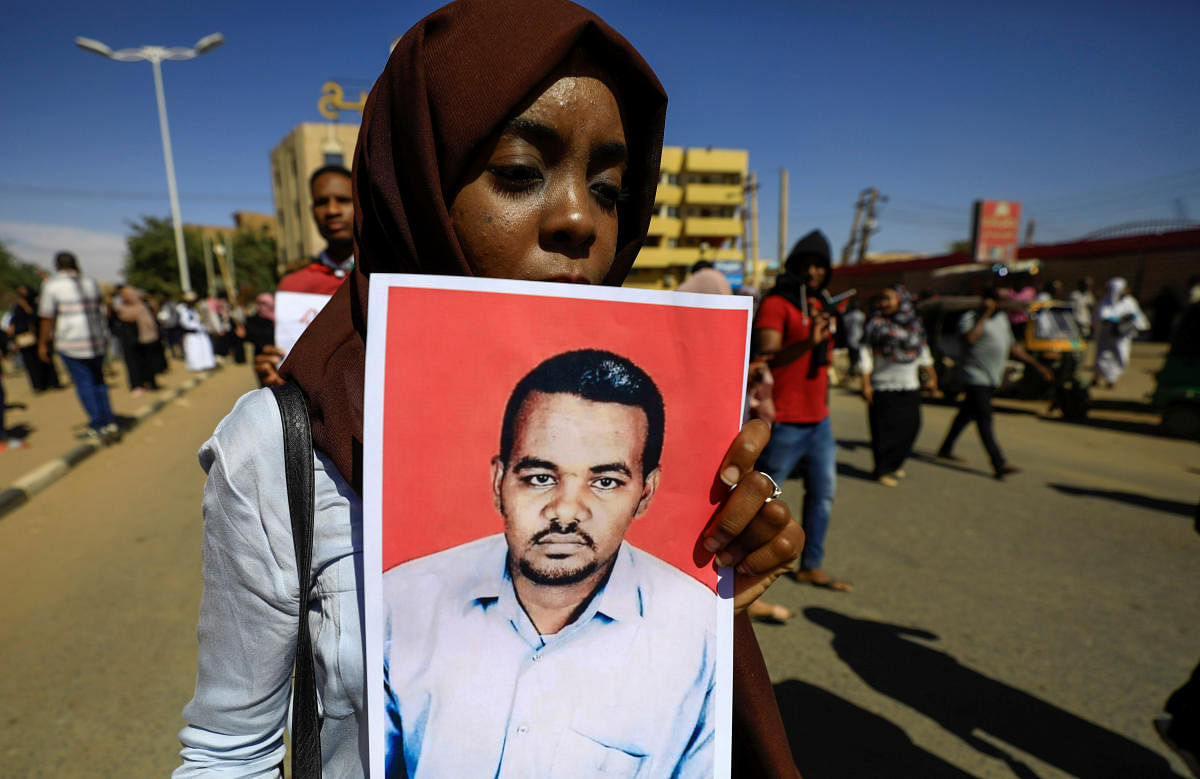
(451, 176)
(23, 328)
(892, 354)
(1118, 319)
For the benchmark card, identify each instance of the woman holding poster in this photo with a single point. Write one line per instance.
(514, 140)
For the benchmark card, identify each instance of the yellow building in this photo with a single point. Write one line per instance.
(698, 215)
(307, 147)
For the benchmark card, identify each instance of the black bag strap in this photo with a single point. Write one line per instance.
(298, 461)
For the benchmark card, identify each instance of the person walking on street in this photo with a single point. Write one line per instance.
(989, 338)
(853, 322)
(1082, 304)
(23, 328)
(168, 324)
(1118, 319)
(197, 346)
(71, 317)
(140, 342)
(894, 351)
(791, 332)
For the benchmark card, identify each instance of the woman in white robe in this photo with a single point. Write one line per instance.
(1118, 319)
(197, 346)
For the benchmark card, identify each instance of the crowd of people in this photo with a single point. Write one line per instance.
(87, 327)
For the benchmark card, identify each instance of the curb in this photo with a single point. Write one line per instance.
(20, 491)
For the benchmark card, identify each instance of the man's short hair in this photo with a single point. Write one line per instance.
(65, 261)
(598, 376)
(321, 171)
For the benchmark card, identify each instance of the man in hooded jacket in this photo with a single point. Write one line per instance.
(791, 332)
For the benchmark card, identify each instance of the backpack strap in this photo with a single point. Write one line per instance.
(298, 461)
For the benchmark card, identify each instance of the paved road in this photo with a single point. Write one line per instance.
(1025, 628)
(1031, 627)
(102, 570)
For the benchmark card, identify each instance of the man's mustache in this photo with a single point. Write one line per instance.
(558, 530)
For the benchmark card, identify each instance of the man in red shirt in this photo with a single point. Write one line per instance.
(333, 211)
(791, 332)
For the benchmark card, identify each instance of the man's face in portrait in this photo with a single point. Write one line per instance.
(572, 486)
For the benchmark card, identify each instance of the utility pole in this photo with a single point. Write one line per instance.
(783, 211)
(750, 244)
(848, 250)
(754, 231)
(868, 226)
(1029, 225)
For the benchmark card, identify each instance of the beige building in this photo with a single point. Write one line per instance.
(698, 214)
(307, 147)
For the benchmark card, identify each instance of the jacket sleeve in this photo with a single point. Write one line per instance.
(250, 606)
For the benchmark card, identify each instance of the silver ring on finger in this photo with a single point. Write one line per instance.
(776, 493)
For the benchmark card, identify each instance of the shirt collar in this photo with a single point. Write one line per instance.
(619, 599)
(343, 267)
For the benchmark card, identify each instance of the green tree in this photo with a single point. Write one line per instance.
(959, 246)
(254, 256)
(13, 272)
(151, 263)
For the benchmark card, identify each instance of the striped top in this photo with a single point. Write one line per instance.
(73, 302)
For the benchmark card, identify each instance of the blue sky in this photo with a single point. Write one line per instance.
(1088, 113)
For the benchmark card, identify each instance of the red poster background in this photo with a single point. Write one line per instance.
(447, 382)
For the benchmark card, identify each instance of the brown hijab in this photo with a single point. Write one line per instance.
(452, 83)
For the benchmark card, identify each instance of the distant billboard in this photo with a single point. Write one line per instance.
(995, 225)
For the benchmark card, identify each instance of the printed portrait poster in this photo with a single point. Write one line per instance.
(539, 463)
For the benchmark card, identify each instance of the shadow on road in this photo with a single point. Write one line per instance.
(960, 467)
(975, 707)
(1133, 498)
(850, 444)
(831, 737)
(854, 472)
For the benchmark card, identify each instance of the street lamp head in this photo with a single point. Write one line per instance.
(209, 42)
(94, 46)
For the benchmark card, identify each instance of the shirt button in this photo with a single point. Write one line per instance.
(523, 730)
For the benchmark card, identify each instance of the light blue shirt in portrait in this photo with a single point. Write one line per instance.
(472, 689)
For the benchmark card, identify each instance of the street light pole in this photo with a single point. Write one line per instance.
(176, 220)
(156, 55)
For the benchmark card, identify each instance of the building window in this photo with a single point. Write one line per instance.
(334, 158)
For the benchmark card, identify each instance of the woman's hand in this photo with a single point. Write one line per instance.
(751, 531)
(266, 367)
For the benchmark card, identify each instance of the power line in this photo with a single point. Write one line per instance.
(100, 194)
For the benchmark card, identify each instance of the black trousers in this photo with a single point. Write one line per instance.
(895, 420)
(976, 406)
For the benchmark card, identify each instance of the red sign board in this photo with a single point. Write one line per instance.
(994, 230)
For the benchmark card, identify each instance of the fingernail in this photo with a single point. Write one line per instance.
(731, 474)
(744, 569)
(712, 544)
(724, 559)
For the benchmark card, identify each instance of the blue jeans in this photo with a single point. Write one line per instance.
(788, 445)
(88, 376)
